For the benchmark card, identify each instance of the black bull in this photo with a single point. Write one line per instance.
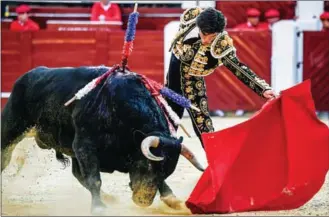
(103, 132)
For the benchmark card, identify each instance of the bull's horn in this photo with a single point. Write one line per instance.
(147, 143)
(191, 157)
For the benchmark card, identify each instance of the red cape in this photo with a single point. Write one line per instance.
(276, 160)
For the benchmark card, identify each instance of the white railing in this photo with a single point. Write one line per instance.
(284, 55)
(91, 1)
(185, 4)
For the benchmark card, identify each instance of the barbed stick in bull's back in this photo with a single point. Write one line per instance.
(129, 38)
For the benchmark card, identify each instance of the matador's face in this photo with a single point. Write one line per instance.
(207, 38)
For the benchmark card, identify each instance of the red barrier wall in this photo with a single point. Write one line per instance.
(316, 66)
(21, 52)
(24, 51)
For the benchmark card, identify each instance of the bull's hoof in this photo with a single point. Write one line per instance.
(108, 198)
(173, 202)
(98, 210)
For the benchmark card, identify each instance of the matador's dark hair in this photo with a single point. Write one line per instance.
(211, 21)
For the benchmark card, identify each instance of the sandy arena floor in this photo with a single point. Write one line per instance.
(43, 188)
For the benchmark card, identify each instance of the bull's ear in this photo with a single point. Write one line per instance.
(138, 136)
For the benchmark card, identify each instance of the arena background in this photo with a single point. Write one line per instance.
(293, 51)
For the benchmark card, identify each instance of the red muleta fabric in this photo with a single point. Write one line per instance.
(277, 160)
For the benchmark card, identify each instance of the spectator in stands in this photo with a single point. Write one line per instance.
(104, 10)
(272, 16)
(23, 22)
(325, 21)
(253, 15)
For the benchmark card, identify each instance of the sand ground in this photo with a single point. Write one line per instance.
(43, 187)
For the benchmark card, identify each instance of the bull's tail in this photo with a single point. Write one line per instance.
(61, 158)
(14, 123)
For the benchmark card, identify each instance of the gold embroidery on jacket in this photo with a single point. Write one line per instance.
(195, 90)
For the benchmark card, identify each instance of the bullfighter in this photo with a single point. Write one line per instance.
(194, 58)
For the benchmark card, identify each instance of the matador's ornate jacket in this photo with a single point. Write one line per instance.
(191, 61)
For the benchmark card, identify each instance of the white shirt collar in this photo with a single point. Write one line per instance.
(106, 7)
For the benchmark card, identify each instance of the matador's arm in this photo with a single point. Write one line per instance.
(222, 49)
(245, 74)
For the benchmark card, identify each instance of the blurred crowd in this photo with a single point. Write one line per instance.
(105, 10)
(253, 19)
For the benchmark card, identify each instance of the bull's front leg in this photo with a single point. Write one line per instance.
(77, 174)
(86, 155)
(169, 198)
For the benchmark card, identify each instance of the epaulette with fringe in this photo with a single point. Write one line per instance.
(222, 45)
(189, 16)
(187, 24)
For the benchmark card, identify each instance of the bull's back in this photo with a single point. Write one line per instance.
(60, 83)
(43, 91)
